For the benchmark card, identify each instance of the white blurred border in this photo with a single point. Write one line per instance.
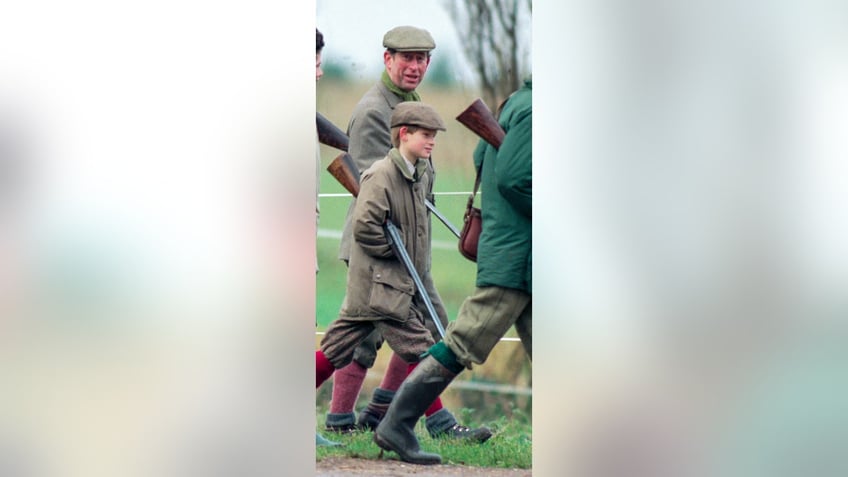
(689, 207)
(160, 302)
(689, 190)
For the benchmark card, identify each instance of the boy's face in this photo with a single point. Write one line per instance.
(418, 144)
(406, 68)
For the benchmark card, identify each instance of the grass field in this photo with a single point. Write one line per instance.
(509, 447)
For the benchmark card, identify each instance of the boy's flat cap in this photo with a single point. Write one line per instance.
(408, 38)
(415, 113)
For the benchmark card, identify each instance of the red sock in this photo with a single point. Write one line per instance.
(396, 371)
(435, 407)
(437, 404)
(347, 382)
(323, 368)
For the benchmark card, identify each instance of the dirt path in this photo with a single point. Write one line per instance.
(345, 467)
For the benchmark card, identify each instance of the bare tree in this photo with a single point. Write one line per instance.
(496, 36)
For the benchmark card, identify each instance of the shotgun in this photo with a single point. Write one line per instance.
(329, 134)
(400, 250)
(344, 170)
(441, 217)
(479, 119)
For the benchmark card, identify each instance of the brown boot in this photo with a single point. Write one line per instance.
(396, 431)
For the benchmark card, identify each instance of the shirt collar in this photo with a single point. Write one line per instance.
(410, 172)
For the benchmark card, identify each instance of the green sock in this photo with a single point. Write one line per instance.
(441, 353)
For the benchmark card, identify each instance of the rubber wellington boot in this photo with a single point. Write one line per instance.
(396, 431)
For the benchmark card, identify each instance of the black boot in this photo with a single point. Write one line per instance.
(396, 431)
(370, 417)
(442, 424)
(342, 423)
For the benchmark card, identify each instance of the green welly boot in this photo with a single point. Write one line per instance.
(396, 431)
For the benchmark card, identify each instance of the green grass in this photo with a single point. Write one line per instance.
(510, 446)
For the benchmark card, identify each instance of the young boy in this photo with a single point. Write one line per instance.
(380, 293)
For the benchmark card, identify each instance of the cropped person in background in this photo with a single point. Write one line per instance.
(319, 47)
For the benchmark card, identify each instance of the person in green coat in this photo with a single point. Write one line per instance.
(503, 294)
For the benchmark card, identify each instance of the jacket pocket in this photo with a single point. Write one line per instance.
(391, 292)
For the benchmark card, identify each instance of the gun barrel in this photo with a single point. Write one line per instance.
(329, 134)
(442, 217)
(400, 250)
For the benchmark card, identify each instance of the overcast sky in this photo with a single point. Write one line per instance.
(354, 31)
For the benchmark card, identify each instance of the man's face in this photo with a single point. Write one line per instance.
(406, 68)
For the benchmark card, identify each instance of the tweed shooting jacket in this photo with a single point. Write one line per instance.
(379, 286)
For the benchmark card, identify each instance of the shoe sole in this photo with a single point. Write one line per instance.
(342, 431)
(477, 439)
(386, 445)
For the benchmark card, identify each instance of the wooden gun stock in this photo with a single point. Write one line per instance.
(479, 119)
(344, 170)
(329, 134)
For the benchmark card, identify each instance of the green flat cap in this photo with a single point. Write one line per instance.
(415, 113)
(408, 38)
